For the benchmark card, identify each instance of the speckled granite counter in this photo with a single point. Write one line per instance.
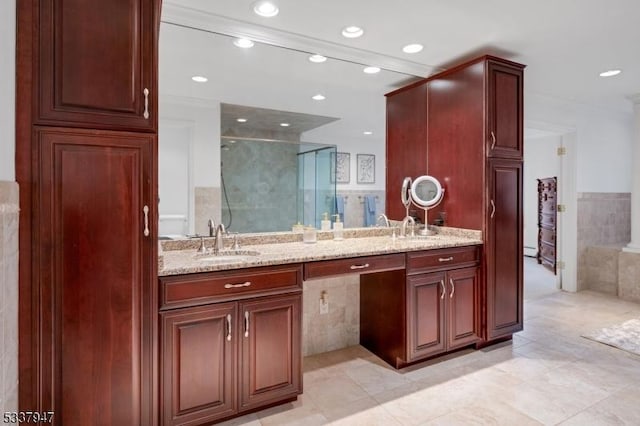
(186, 261)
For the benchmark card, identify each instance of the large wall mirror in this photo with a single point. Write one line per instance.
(252, 148)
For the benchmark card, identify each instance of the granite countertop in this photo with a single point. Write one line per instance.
(187, 261)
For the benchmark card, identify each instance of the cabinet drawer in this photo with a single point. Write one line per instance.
(198, 289)
(433, 260)
(354, 265)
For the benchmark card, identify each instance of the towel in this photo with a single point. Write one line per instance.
(369, 210)
(340, 207)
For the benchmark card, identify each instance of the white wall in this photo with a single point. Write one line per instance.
(540, 161)
(7, 89)
(206, 137)
(604, 140)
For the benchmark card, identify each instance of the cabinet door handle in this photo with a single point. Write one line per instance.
(445, 259)
(246, 323)
(145, 210)
(145, 114)
(493, 140)
(228, 327)
(244, 284)
(493, 209)
(453, 288)
(444, 290)
(366, 265)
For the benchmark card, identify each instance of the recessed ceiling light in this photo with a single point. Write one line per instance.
(371, 70)
(266, 9)
(412, 48)
(232, 141)
(245, 43)
(367, 133)
(610, 73)
(199, 79)
(318, 97)
(317, 58)
(352, 31)
(284, 124)
(241, 120)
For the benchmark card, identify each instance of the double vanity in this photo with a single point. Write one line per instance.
(231, 323)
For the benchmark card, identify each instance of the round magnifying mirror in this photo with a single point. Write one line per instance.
(405, 193)
(426, 192)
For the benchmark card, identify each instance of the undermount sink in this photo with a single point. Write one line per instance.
(228, 256)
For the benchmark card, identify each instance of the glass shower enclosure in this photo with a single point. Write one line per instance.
(316, 183)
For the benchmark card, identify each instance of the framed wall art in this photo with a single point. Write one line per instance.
(366, 168)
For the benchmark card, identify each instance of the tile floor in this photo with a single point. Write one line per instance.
(548, 374)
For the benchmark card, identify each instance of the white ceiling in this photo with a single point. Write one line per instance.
(564, 43)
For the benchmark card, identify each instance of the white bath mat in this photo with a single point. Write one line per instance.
(625, 336)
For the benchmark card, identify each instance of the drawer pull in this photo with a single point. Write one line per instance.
(244, 284)
(444, 290)
(445, 259)
(228, 327)
(246, 323)
(366, 265)
(145, 210)
(453, 288)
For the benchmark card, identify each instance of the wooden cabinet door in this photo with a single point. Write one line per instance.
(463, 298)
(504, 249)
(425, 315)
(270, 356)
(94, 277)
(505, 118)
(96, 60)
(198, 364)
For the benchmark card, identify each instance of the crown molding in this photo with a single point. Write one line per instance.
(180, 15)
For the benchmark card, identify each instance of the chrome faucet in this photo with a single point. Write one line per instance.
(385, 218)
(405, 222)
(219, 241)
(212, 226)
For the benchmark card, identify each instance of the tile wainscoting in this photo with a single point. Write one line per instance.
(9, 202)
(604, 221)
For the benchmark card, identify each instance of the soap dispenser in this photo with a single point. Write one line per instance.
(337, 228)
(325, 223)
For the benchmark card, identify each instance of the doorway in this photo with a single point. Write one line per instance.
(541, 160)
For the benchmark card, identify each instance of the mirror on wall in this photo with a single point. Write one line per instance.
(260, 138)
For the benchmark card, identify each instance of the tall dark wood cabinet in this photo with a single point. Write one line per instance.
(86, 162)
(474, 134)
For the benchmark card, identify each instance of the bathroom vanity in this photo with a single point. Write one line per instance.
(231, 330)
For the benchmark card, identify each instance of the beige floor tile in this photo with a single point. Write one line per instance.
(302, 412)
(485, 412)
(621, 408)
(374, 378)
(334, 392)
(365, 412)
(248, 420)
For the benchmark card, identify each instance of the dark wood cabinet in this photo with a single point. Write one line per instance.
(98, 72)
(406, 149)
(442, 312)
(547, 222)
(426, 315)
(505, 112)
(86, 162)
(431, 308)
(504, 249)
(270, 358)
(95, 268)
(219, 360)
(474, 147)
(199, 364)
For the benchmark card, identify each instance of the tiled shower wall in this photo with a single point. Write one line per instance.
(604, 220)
(8, 296)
